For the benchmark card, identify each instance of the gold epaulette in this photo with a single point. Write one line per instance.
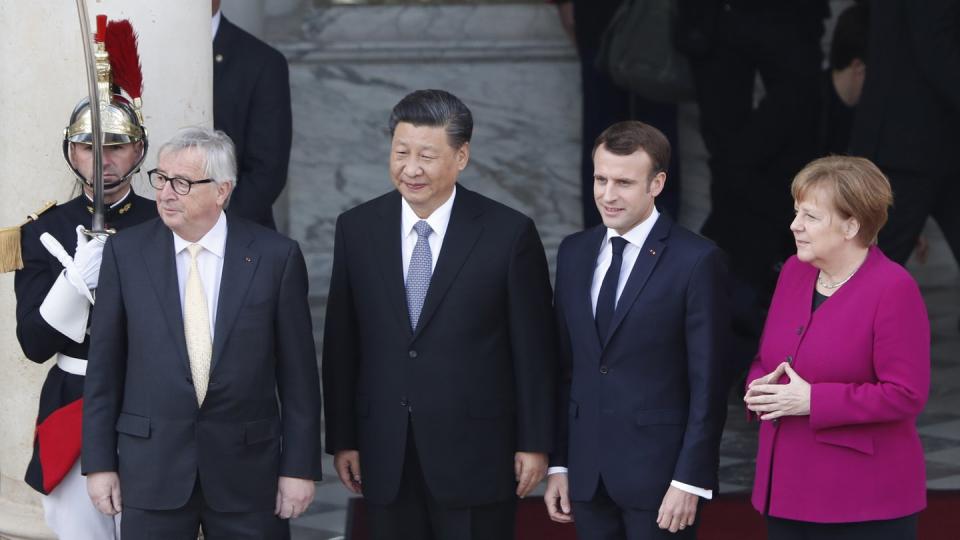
(10, 254)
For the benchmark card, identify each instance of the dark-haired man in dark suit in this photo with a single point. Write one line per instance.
(438, 360)
(251, 104)
(642, 319)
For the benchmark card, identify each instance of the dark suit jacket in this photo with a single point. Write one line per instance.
(251, 103)
(908, 114)
(476, 377)
(645, 405)
(261, 415)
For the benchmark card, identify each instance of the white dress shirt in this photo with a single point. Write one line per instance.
(209, 262)
(214, 24)
(438, 221)
(635, 238)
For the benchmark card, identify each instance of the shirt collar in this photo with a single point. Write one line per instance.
(438, 220)
(214, 24)
(639, 233)
(215, 241)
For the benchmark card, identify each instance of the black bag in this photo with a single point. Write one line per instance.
(637, 52)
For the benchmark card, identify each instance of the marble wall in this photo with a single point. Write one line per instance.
(512, 65)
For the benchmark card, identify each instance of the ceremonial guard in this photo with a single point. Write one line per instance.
(56, 286)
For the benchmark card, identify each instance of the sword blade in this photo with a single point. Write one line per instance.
(95, 128)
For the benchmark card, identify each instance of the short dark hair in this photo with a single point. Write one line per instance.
(435, 108)
(850, 36)
(625, 138)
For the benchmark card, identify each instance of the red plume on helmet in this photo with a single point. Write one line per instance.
(121, 44)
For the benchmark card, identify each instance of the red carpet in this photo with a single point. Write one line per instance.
(730, 517)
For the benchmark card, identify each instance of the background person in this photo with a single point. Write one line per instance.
(251, 104)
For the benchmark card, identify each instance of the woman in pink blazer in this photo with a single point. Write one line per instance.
(843, 370)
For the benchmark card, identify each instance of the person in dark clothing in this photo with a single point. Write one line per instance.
(907, 118)
(251, 104)
(842, 82)
(605, 103)
(755, 146)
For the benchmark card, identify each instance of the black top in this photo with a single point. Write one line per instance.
(818, 299)
(836, 120)
(591, 18)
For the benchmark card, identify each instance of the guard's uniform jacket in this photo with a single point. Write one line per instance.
(56, 443)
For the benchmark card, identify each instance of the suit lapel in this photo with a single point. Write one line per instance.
(240, 262)
(462, 234)
(162, 269)
(650, 254)
(387, 254)
(582, 276)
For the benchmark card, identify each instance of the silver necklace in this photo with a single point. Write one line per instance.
(830, 286)
(825, 285)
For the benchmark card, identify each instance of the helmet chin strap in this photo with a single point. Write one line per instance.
(106, 185)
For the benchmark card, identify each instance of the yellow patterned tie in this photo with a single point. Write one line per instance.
(196, 327)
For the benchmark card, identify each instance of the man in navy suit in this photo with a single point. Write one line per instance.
(642, 319)
(251, 104)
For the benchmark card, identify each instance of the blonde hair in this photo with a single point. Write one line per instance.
(857, 189)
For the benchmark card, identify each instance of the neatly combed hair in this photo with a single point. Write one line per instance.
(220, 162)
(435, 108)
(625, 138)
(850, 36)
(857, 189)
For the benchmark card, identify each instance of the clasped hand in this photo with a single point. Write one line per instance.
(771, 400)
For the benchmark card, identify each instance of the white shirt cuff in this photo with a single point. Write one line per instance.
(700, 492)
(66, 310)
(556, 470)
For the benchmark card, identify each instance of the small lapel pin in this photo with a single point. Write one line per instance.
(653, 252)
(247, 259)
(218, 58)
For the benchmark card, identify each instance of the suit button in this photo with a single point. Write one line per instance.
(404, 402)
(189, 380)
(799, 330)
(412, 354)
(604, 370)
(789, 359)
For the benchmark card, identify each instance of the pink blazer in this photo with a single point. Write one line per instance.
(866, 354)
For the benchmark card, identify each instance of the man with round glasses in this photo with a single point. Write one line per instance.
(55, 291)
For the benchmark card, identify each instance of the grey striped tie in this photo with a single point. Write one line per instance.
(419, 272)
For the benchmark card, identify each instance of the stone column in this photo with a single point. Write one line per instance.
(41, 66)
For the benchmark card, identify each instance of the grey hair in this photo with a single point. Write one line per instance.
(219, 157)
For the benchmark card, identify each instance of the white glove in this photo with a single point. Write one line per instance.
(87, 257)
(71, 273)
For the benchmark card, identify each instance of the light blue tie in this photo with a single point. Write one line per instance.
(419, 272)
